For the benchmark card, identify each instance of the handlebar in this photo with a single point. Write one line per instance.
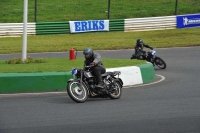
(87, 66)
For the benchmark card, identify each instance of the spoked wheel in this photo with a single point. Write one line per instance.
(160, 62)
(116, 91)
(77, 92)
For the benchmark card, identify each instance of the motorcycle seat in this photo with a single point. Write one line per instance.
(110, 73)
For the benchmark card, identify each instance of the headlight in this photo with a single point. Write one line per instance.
(74, 71)
(153, 53)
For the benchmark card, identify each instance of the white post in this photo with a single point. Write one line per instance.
(24, 47)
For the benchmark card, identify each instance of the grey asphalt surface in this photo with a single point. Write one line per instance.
(171, 106)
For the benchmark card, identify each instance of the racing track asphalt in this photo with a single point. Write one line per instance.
(170, 106)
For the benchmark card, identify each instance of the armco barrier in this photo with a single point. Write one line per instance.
(116, 25)
(57, 81)
(150, 23)
(126, 25)
(46, 28)
(13, 29)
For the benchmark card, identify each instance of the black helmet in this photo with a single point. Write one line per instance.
(88, 52)
(139, 41)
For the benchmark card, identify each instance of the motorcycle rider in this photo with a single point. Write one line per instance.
(139, 52)
(93, 59)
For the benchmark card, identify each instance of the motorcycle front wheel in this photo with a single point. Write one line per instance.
(116, 91)
(77, 92)
(160, 63)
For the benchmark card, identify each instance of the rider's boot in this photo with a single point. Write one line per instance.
(100, 85)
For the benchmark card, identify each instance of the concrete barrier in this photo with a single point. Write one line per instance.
(33, 82)
(57, 81)
(133, 75)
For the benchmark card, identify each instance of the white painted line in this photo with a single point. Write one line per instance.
(162, 79)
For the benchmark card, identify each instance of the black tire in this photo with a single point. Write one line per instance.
(77, 92)
(160, 63)
(117, 91)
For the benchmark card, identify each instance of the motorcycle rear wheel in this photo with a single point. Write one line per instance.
(77, 92)
(160, 63)
(116, 91)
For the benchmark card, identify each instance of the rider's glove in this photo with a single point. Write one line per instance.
(92, 64)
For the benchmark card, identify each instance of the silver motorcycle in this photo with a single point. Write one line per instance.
(83, 85)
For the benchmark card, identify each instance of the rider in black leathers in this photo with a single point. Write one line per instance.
(139, 52)
(93, 59)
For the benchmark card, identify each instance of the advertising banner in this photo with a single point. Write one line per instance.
(188, 21)
(88, 26)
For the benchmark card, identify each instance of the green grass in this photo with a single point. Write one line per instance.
(97, 41)
(65, 10)
(62, 65)
(102, 41)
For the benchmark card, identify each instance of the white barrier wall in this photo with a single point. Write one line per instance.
(130, 75)
(13, 29)
(150, 23)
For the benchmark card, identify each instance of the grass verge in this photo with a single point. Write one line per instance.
(62, 65)
(102, 41)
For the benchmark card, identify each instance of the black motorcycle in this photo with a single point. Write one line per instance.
(151, 56)
(83, 85)
(155, 60)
